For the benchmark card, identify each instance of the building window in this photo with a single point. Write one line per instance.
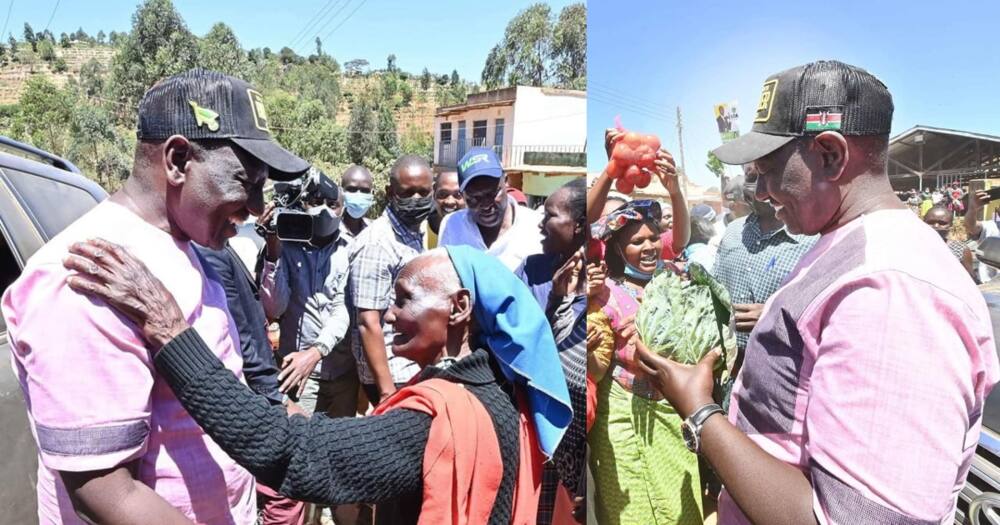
(478, 132)
(445, 132)
(498, 134)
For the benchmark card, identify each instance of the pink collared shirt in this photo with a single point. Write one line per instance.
(93, 397)
(868, 371)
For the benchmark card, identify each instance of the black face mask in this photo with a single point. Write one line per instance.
(325, 228)
(412, 211)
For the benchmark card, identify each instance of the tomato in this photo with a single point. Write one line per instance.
(652, 141)
(633, 139)
(624, 186)
(613, 171)
(644, 179)
(632, 174)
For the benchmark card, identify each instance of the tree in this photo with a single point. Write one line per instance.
(59, 65)
(64, 40)
(523, 55)
(569, 47)
(417, 142)
(13, 44)
(354, 67)
(92, 78)
(158, 46)
(362, 142)
(288, 56)
(100, 37)
(82, 35)
(454, 77)
(425, 80)
(267, 53)
(715, 165)
(114, 38)
(29, 37)
(388, 140)
(44, 112)
(319, 47)
(443, 80)
(46, 51)
(221, 51)
(391, 63)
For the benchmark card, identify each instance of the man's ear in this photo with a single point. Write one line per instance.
(388, 191)
(177, 154)
(833, 150)
(461, 307)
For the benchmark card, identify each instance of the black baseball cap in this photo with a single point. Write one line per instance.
(203, 104)
(809, 99)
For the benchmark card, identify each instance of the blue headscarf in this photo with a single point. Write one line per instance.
(515, 330)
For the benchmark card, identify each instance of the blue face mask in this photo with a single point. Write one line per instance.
(356, 203)
(634, 273)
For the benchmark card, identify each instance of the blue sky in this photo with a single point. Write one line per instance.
(441, 35)
(941, 62)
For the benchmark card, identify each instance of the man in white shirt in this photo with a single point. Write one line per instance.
(492, 221)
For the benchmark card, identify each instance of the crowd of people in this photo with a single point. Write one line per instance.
(852, 320)
(425, 366)
(462, 358)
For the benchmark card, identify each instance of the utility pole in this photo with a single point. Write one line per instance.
(680, 141)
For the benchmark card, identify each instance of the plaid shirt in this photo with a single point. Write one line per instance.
(752, 264)
(378, 253)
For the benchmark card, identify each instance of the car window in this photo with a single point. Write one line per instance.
(9, 271)
(62, 203)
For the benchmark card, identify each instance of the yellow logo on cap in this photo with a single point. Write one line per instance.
(205, 116)
(259, 113)
(766, 101)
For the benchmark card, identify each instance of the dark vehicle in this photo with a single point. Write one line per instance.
(40, 195)
(979, 501)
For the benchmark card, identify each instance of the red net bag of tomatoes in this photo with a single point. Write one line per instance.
(633, 161)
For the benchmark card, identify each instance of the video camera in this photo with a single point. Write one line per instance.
(290, 221)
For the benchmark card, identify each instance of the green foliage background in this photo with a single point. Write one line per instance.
(91, 119)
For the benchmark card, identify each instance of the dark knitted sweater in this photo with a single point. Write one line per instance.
(376, 459)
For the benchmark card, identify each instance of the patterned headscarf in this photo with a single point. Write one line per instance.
(635, 211)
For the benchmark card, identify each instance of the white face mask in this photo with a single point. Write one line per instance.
(316, 210)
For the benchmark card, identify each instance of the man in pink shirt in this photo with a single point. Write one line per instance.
(115, 445)
(861, 395)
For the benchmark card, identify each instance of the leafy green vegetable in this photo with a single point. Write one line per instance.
(684, 319)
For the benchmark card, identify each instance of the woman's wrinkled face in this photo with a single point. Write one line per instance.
(419, 317)
(641, 245)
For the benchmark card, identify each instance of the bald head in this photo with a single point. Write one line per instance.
(356, 176)
(431, 276)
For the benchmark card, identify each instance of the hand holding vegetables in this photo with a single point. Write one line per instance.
(686, 387)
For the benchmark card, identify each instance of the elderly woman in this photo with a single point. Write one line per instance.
(463, 443)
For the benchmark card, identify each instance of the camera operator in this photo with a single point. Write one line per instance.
(302, 284)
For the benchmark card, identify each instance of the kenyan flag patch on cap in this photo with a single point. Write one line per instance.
(823, 118)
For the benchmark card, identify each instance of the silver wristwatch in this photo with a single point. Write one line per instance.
(691, 428)
(323, 349)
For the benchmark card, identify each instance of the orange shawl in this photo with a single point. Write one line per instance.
(461, 482)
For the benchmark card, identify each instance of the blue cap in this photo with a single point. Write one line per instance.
(476, 162)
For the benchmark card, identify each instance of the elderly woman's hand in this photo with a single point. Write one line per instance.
(108, 272)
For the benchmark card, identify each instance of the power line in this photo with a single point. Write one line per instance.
(331, 18)
(332, 31)
(638, 110)
(312, 23)
(629, 97)
(616, 101)
(9, 8)
(53, 15)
